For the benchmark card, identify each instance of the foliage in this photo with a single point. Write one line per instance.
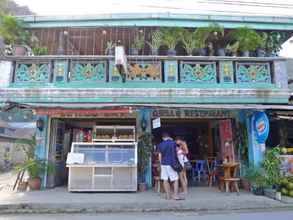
(201, 34)
(193, 40)
(35, 167)
(249, 40)
(241, 142)
(12, 30)
(171, 36)
(144, 152)
(271, 164)
(274, 41)
(233, 48)
(216, 35)
(255, 175)
(39, 51)
(28, 146)
(109, 46)
(138, 42)
(157, 40)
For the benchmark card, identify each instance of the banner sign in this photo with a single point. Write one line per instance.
(156, 123)
(191, 113)
(261, 127)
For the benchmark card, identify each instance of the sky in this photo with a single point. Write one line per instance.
(82, 7)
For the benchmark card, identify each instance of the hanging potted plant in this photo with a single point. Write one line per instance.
(144, 151)
(137, 44)
(170, 37)
(249, 40)
(110, 48)
(156, 42)
(13, 32)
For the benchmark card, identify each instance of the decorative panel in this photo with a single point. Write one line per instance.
(226, 72)
(171, 71)
(201, 72)
(88, 71)
(253, 73)
(60, 71)
(114, 75)
(32, 72)
(144, 71)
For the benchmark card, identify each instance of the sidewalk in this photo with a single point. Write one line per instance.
(200, 199)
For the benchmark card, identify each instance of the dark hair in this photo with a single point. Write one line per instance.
(179, 138)
(165, 135)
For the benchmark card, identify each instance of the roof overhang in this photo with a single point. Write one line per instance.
(160, 19)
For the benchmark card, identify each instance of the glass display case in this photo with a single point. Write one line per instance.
(106, 166)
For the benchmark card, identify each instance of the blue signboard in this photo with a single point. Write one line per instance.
(261, 126)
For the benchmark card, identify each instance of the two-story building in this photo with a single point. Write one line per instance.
(212, 101)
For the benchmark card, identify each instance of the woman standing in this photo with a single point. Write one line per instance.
(182, 151)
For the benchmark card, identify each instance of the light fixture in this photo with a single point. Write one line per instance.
(40, 124)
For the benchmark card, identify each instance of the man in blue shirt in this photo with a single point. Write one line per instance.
(167, 154)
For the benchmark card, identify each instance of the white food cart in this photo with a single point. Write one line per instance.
(110, 165)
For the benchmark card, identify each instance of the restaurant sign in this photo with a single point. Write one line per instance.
(191, 113)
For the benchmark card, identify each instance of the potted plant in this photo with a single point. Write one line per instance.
(191, 41)
(217, 39)
(144, 151)
(274, 42)
(137, 44)
(110, 46)
(156, 42)
(40, 51)
(249, 40)
(35, 167)
(255, 175)
(261, 50)
(13, 32)
(201, 35)
(170, 37)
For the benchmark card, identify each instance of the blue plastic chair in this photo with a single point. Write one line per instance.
(199, 169)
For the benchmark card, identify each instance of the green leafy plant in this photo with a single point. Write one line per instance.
(233, 48)
(201, 34)
(12, 30)
(144, 153)
(138, 42)
(109, 46)
(216, 35)
(35, 167)
(193, 40)
(157, 40)
(255, 175)
(171, 37)
(274, 41)
(39, 51)
(271, 165)
(249, 40)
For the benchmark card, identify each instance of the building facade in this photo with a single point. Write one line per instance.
(213, 101)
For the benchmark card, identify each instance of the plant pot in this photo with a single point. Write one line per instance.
(134, 51)
(171, 52)
(22, 186)
(203, 51)
(155, 52)
(34, 183)
(221, 52)
(245, 184)
(245, 53)
(111, 52)
(19, 50)
(142, 187)
(258, 191)
(260, 53)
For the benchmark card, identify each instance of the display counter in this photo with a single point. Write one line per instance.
(107, 166)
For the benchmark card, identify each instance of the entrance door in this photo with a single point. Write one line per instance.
(57, 153)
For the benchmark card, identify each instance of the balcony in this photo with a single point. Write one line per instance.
(172, 79)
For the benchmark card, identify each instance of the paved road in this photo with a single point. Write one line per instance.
(282, 215)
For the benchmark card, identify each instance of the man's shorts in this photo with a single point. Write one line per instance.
(167, 172)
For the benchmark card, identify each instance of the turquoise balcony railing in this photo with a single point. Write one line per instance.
(144, 71)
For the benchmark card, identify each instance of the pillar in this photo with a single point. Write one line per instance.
(42, 143)
(143, 125)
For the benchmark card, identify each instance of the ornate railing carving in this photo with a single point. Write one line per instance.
(32, 72)
(88, 71)
(253, 72)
